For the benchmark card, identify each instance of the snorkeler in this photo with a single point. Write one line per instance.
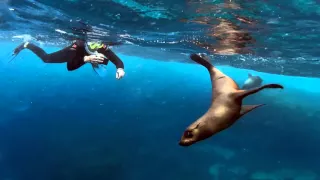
(78, 54)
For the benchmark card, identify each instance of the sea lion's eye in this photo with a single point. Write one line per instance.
(188, 134)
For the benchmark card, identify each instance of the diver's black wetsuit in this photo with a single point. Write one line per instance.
(73, 55)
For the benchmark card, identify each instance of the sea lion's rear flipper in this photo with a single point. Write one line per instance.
(211, 69)
(202, 61)
(247, 108)
(244, 93)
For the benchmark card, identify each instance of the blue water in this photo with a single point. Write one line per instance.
(61, 125)
(284, 34)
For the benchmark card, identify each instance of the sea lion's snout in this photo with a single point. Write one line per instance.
(188, 138)
(185, 143)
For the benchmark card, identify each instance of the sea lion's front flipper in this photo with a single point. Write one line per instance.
(244, 93)
(247, 108)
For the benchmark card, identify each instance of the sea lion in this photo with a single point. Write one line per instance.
(226, 106)
(252, 82)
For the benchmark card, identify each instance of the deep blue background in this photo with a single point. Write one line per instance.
(59, 125)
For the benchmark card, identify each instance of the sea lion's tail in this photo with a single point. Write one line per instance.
(202, 61)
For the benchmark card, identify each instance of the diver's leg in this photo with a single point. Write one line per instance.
(61, 56)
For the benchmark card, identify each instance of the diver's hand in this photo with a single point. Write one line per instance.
(120, 73)
(95, 58)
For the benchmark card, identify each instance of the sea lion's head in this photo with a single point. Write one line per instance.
(194, 133)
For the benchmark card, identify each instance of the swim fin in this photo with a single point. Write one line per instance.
(17, 50)
(12, 58)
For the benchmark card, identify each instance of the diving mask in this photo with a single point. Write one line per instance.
(92, 47)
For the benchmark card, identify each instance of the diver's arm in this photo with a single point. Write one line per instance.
(116, 61)
(79, 61)
(114, 58)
